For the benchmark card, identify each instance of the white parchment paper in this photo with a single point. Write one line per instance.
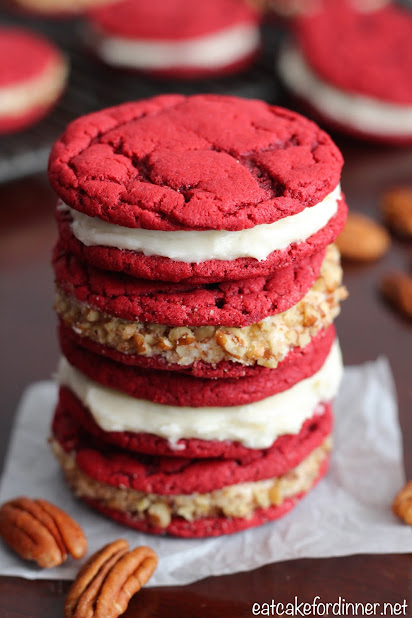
(347, 513)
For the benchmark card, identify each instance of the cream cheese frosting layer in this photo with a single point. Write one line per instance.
(199, 246)
(363, 113)
(212, 51)
(255, 425)
(41, 90)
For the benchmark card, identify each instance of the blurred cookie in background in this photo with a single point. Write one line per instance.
(176, 38)
(352, 70)
(33, 75)
(57, 8)
(294, 8)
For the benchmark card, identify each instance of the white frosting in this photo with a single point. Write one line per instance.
(199, 246)
(211, 51)
(255, 425)
(353, 110)
(40, 90)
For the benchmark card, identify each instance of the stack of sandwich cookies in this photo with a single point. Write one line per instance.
(195, 393)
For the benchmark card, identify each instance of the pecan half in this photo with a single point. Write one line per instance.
(397, 288)
(397, 210)
(40, 531)
(108, 580)
(362, 239)
(402, 505)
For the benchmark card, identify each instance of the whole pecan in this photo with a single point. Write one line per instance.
(362, 239)
(397, 210)
(108, 580)
(40, 531)
(397, 289)
(402, 505)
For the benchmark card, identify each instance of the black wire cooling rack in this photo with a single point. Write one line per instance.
(93, 86)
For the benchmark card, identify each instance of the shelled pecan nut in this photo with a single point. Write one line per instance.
(40, 531)
(362, 239)
(402, 505)
(108, 580)
(397, 210)
(397, 289)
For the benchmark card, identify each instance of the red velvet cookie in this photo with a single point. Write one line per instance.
(169, 388)
(183, 497)
(353, 69)
(193, 448)
(211, 271)
(229, 303)
(195, 164)
(206, 526)
(170, 38)
(184, 475)
(33, 75)
(200, 369)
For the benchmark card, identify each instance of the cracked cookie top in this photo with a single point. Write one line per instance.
(205, 162)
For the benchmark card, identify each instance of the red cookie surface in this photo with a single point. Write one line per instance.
(207, 526)
(165, 269)
(232, 303)
(170, 388)
(184, 475)
(193, 163)
(365, 53)
(170, 20)
(24, 56)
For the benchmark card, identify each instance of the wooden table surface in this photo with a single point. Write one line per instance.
(367, 328)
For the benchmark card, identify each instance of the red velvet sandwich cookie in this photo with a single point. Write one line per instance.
(33, 75)
(227, 303)
(167, 388)
(185, 497)
(194, 448)
(175, 39)
(204, 188)
(184, 391)
(124, 408)
(206, 350)
(353, 70)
